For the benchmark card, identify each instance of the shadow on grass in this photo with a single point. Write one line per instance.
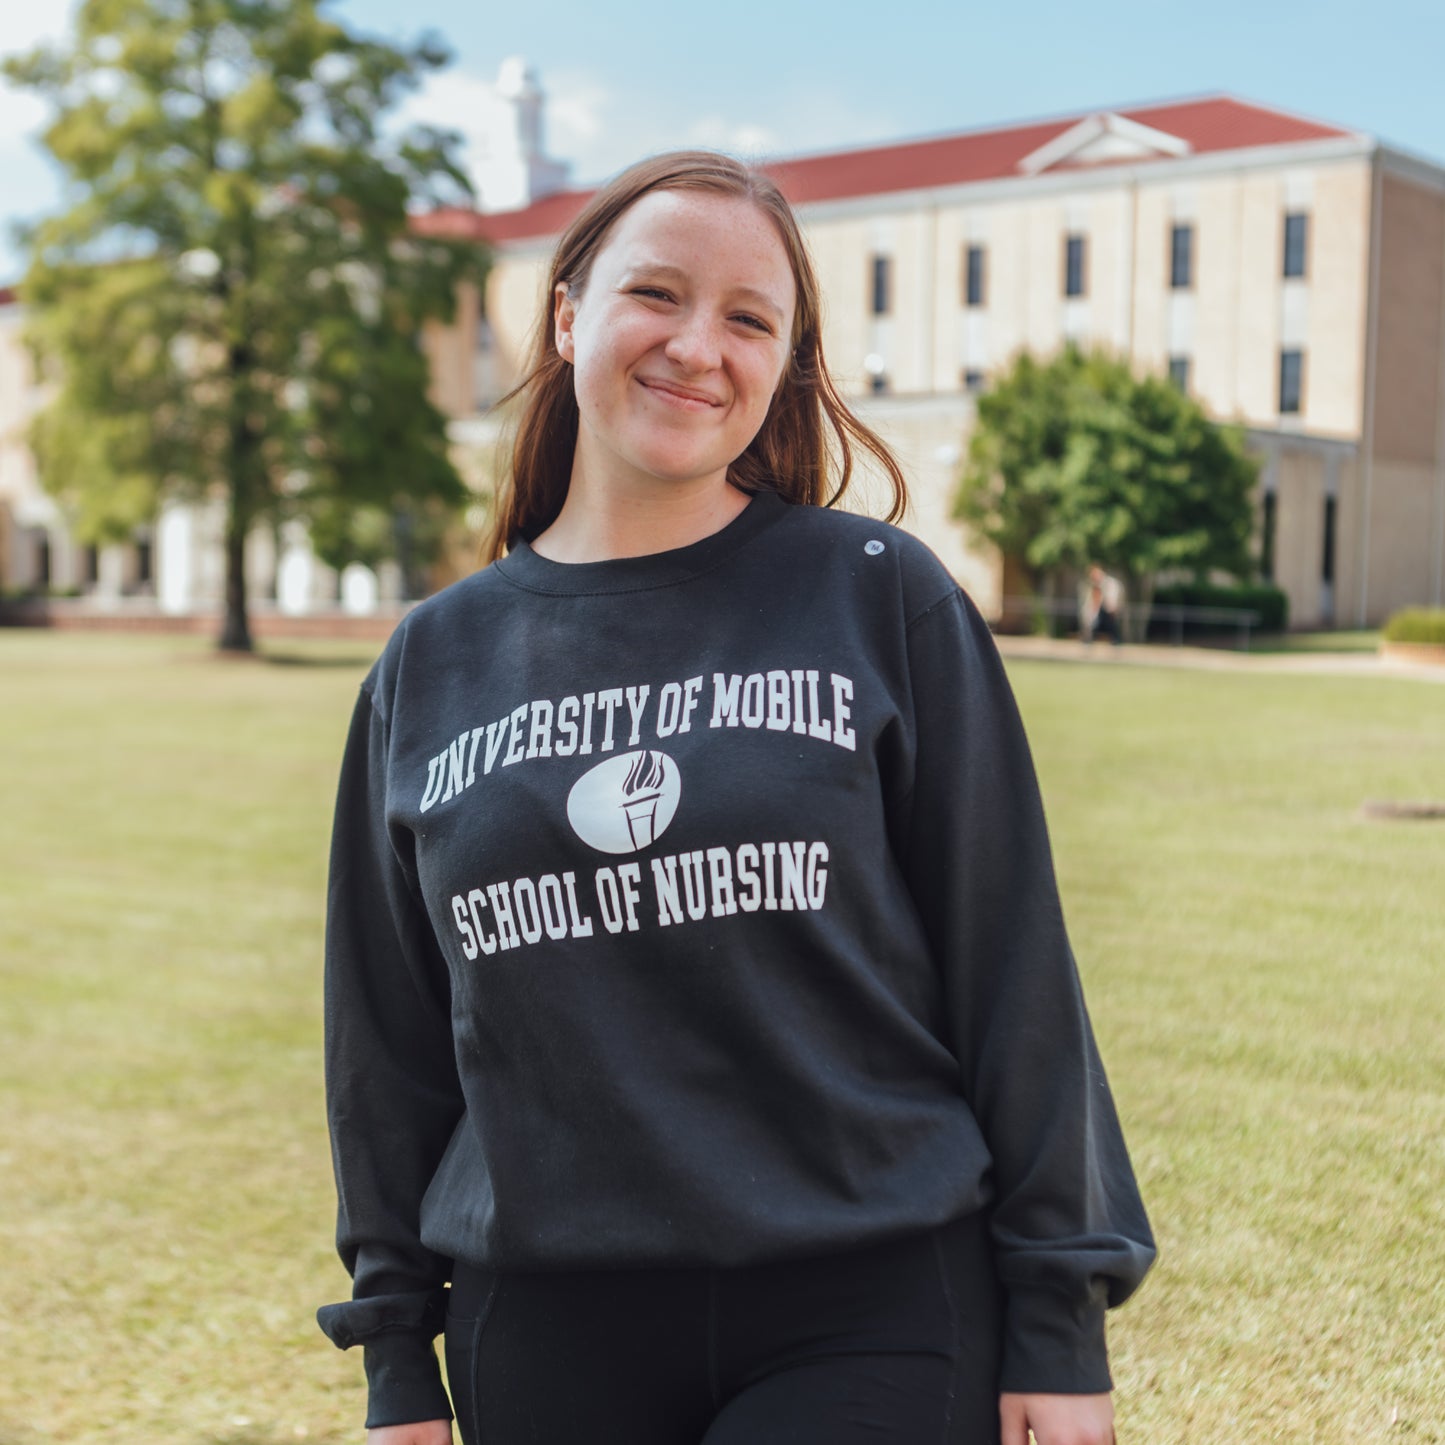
(360, 658)
(260, 1437)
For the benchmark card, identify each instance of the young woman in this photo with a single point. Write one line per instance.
(705, 1054)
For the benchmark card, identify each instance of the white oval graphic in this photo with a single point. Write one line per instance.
(624, 804)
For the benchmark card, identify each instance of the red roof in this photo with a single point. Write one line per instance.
(1211, 124)
(547, 217)
(8, 295)
(1217, 124)
(1221, 123)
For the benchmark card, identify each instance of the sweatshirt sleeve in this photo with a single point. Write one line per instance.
(1069, 1229)
(392, 1094)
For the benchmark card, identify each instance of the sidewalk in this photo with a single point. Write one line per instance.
(1211, 659)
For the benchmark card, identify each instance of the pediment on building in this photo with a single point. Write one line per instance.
(1104, 138)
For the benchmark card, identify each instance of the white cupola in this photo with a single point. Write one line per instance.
(510, 167)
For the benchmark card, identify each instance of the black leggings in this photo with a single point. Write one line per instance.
(895, 1344)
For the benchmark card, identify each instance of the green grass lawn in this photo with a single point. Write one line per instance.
(1354, 641)
(1263, 965)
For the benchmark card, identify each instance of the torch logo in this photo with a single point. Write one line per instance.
(626, 803)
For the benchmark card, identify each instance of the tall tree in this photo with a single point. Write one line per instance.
(232, 304)
(1077, 460)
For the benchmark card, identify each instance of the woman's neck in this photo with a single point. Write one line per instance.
(597, 525)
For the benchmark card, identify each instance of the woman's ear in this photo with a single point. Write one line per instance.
(563, 314)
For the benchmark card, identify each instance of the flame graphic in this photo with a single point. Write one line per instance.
(640, 792)
(638, 780)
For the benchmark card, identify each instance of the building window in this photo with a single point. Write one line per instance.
(1296, 242)
(92, 564)
(1266, 538)
(878, 382)
(43, 562)
(1181, 257)
(1327, 559)
(973, 277)
(1179, 372)
(144, 562)
(882, 285)
(1074, 277)
(1291, 381)
(973, 381)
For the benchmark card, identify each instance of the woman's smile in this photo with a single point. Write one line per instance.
(685, 398)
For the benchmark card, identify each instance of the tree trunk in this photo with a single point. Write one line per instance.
(1138, 604)
(1046, 623)
(242, 491)
(236, 628)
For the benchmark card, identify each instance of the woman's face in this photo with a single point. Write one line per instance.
(678, 341)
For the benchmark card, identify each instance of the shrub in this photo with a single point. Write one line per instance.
(1417, 624)
(1269, 602)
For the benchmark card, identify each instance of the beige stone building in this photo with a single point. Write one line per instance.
(1290, 274)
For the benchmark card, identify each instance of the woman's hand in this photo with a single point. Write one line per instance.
(1057, 1419)
(424, 1432)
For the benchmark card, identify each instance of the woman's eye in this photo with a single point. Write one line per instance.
(653, 293)
(756, 322)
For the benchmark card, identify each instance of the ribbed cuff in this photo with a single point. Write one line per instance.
(1053, 1345)
(404, 1381)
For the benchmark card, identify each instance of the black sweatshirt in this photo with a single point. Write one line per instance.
(697, 909)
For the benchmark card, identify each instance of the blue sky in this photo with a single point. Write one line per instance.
(625, 78)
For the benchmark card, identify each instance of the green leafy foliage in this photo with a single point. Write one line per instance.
(232, 304)
(1271, 603)
(1076, 460)
(1417, 624)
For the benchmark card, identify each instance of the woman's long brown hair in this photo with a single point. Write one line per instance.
(793, 452)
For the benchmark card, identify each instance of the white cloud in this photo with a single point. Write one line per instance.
(32, 189)
(824, 120)
(576, 116)
(454, 100)
(748, 139)
(588, 124)
(598, 128)
(601, 130)
(24, 26)
(21, 117)
(30, 184)
(579, 122)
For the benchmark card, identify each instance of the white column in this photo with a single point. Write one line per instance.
(174, 560)
(295, 577)
(110, 578)
(358, 590)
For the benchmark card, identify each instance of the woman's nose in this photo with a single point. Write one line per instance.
(695, 342)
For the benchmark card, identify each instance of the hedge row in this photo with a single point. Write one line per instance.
(1417, 624)
(1269, 602)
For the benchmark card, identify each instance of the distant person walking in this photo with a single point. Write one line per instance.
(1102, 609)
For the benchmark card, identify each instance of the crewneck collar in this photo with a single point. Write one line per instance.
(527, 568)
